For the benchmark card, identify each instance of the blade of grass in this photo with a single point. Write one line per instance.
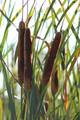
(7, 18)
(76, 55)
(3, 6)
(11, 101)
(65, 11)
(72, 56)
(37, 21)
(1, 108)
(40, 104)
(48, 29)
(14, 17)
(8, 51)
(45, 16)
(70, 22)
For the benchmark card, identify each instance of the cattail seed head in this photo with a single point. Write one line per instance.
(50, 61)
(21, 52)
(27, 60)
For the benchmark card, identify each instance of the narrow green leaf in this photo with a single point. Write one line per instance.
(3, 6)
(10, 95)
(65, 11)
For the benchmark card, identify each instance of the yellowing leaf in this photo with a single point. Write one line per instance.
(1, 109)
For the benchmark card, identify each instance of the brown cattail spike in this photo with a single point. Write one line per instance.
(21, 52)
(27, 60)
(50, 61)
(54, 83)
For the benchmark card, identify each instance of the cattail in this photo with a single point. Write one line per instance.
(21, 52)
(54, 83)
(50, 61)
(27, 60)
